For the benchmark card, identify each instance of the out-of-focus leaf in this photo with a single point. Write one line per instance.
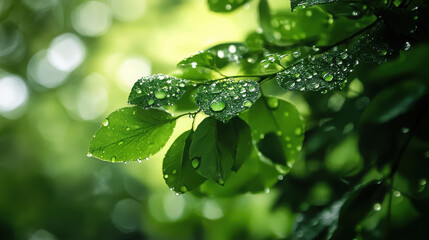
(410, 64)
(225, 5)
(131, 134)
(228, 53)
(279, 121)
(177, 168)
(156, 91)
(289, 29)
(310, 227)
(393, 101)
(200, 65)
(354, 210)
(197, 66)
(217, 148)
(225, 99)
(265, 19)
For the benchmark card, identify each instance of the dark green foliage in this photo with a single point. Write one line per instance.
(217, 148)
(393, 101)
(177, 168)
(278, 129)
(156, 91)
(214, 101)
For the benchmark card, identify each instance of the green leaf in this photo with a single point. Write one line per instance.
(227, 53)
(265, 20)
(325, 72)
(200, 65)
(225, 5)
(310, 227)
(217, 148)
(279, 121)
(178, 172)
(339, 220)
(306, 3)
(355, 209)
(243, 135)
(393, 101)
(225, 99)
(197, 66)
(156, 91)
(373, 46)
(131, 134)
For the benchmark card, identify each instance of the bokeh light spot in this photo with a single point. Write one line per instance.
(92, 19)
(66, 52)
(128, 10)
(13, 94)
(41, 71)
(131, 70)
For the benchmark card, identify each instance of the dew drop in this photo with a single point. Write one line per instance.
(328, 77)
(298, 131)
(183, 189)
(407, 46)
(247, 104)
(139, 160)
(220, 181)
(105, 122)
(139, 90)
(296, 54)
(217, 106)
(128, 129)
(273, 103)
(195, 163)
(173, 172)
(232, 49)
(377, 207)
(344, 55)
(228, 7)
(383, 52)
(89, 155)
(120, 143)
(113, 159)
(397, 193)
(160, 94)
(150, 102)
(166, 176)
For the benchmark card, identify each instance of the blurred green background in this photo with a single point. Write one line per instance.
(64, 65)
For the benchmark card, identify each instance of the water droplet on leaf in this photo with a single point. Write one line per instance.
(160, 94)
(105, 122)
(195, 163)
(217, 106)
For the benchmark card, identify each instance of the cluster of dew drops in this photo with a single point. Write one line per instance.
(156, 89)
